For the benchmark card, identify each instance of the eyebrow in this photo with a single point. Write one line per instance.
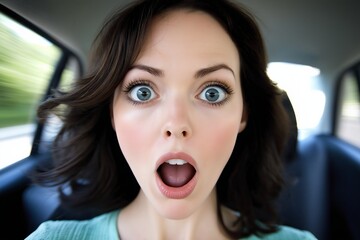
(199, 74)
(205, 71)
(153, 71)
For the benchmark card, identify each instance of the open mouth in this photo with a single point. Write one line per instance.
(176, 172)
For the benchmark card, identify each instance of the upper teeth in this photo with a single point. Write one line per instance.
(176, 162)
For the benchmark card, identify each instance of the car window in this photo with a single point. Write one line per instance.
(348, 114)
(298, 81)
(27, 63)
(53, 123)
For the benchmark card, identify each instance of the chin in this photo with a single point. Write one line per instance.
(176, 209)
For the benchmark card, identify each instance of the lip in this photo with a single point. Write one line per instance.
(176, 192)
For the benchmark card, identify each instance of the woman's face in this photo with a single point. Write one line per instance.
(179, 110)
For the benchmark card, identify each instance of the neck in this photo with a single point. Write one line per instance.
(140, 220)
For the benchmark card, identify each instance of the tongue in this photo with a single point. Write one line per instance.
(176, 175)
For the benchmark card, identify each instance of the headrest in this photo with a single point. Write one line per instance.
(291, 144)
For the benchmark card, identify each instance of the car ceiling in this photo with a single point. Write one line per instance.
(321, 33)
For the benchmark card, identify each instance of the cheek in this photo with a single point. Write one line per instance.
(224, 134)
(127, 137)
(219, 139)
(133, 134)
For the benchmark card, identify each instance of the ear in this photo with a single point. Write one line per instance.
(111, 115)
(244, 119)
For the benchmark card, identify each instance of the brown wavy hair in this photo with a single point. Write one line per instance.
(86, 153)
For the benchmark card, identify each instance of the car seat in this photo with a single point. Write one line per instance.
(322, 191)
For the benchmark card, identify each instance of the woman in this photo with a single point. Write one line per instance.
(176, 132)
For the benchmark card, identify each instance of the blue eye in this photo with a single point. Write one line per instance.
(141, 93)
(213, 94)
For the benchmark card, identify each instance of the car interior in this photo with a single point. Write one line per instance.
(322, 157)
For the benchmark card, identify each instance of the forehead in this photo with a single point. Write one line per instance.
(188, 34)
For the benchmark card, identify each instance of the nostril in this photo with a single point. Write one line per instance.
(183, 133)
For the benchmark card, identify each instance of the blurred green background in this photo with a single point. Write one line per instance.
(26, 64)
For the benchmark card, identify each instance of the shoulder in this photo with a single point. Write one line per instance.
(101, 227)
(285, 233)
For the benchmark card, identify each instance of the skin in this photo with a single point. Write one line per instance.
(178, 118)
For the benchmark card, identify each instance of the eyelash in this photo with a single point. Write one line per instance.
(129, 86)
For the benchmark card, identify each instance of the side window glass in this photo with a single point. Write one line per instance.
(70, 73)
(27, 62)
(348, 119)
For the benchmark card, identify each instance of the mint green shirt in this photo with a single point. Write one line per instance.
(105, 227)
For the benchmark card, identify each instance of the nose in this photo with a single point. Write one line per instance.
(177, 121)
